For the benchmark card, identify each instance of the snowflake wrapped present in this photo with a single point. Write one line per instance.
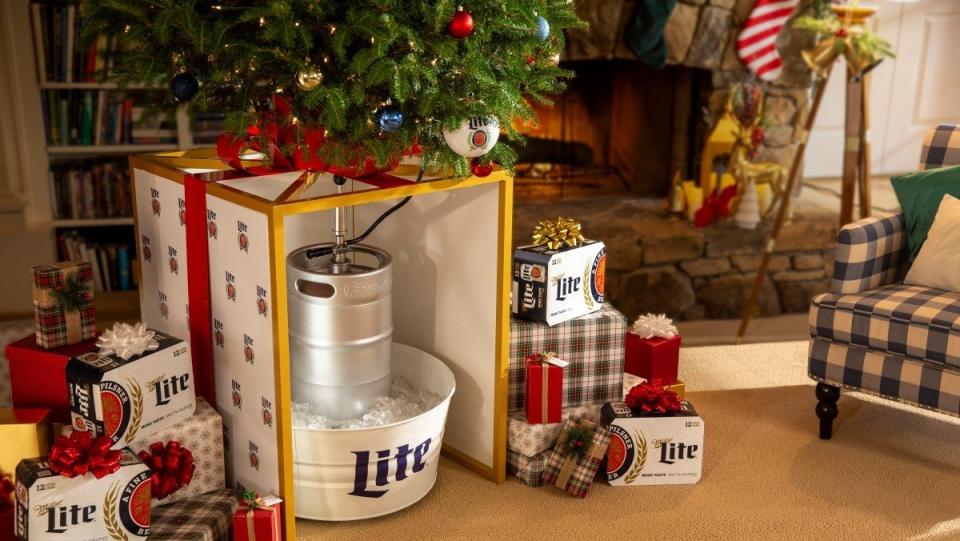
(652, 349)
(63, 303)
(133, 397)
(186, 459)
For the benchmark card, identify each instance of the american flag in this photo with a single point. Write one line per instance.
(757, 43)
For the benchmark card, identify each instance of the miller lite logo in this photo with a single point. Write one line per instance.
(218, 333)
(242, 239)
(231, 287)
(401, 459)
(182, 211)
(554, 286)
(247, 348)
(254, 456)
(595, 275)
(566, 285)
(164, 311)
(212, 224)
(133, 509)
(479, 129)
(145, 243)
(261, 301)
(155, 201)
(265, 414)
(236, 394)
(165, 388)
(122, 410)
(174, 266)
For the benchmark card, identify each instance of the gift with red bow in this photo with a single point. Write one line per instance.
(258, 518)
(652, 398)
(83, 490)
(186, 459)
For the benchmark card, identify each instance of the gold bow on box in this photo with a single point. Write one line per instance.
(558, 233)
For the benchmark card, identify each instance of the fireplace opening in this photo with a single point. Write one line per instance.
(620, 127)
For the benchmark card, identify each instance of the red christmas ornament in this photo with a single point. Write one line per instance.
(480, 170)
(461, 25)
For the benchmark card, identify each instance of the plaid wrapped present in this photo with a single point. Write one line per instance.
(572, 471)
(592, 344)
(201, 518)
(528, 469)
(63, 310)
(532, 439)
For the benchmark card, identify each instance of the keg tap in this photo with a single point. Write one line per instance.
(340, 262)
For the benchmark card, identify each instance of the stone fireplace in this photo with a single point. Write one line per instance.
(606, 152)
(625, 127)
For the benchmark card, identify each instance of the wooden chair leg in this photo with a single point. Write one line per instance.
(827, 397)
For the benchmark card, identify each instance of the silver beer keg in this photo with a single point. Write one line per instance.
(341, 327)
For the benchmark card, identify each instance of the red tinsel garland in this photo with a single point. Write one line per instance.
(652, 397)
(172, 466)
(81, 453)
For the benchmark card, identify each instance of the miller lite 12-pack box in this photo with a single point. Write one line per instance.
(653, 449)
(129, 399)
(83, 508)
(554, 286)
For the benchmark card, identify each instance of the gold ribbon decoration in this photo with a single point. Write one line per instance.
(545, 365)
(843, 32)
(822, 55)
(559, 233)
(251, 530)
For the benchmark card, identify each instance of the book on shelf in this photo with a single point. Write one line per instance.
(101, 117)
(90, 189)
(60, 54)
(110, 262)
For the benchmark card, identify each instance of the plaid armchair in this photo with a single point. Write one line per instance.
(872, 333)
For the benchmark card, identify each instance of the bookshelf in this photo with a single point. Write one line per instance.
(80, 189)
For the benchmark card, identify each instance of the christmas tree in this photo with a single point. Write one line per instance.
(346, 80)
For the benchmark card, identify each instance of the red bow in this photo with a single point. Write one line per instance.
(715, 207)
(172, 466)
(279, 131)
(81, 453)
(652, 397)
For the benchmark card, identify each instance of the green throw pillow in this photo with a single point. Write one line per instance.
(920, 194)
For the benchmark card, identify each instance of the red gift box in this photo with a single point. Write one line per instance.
(652, 358)
(544, 388)
(38, 376)
(260, 522)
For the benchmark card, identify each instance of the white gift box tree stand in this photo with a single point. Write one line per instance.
(451, 254)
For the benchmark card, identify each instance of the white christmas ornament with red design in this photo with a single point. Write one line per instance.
(475, 136)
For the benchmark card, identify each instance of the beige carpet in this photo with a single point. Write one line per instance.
(889, 473)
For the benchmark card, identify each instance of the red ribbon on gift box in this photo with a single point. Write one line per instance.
(171, 466)
(81, 453)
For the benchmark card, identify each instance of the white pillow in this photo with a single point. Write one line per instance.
(938, 263)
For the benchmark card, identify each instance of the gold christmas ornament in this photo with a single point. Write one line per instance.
(558, 233)
(554, 60)
(309, 78)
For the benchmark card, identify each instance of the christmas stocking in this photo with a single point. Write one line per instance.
(757, 43)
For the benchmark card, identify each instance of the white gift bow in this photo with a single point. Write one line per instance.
(654, 325)
(125, 340)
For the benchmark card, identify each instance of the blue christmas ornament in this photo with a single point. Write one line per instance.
(184, 87)
(543, 28)
(389, 119)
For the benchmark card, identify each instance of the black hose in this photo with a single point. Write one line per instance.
(317, 252)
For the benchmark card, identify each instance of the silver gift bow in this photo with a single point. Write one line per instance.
(125, 340)
(654, 325)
